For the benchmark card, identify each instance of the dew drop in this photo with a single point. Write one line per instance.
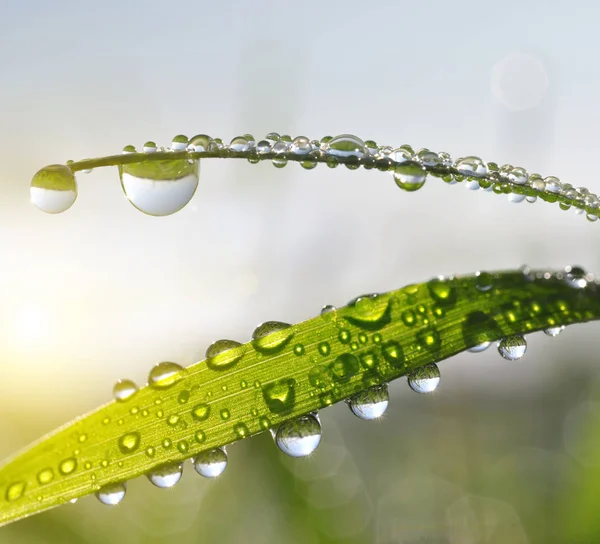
(471, 167)
(271, 336)
(393, 353)
(149, 147)
(45, 476)
(53, 188)
(347, 145)
(129, 442)
(160, 187)
(263, 147)
(15, 491)
(200, 412)
(111, 494)
(166, 475)
(124, 390)
(179, 143)
(479, 347)
(320, 376)
(300, 146)
(201, 143)
(165, 375)
(239, 145)
(554, 331)
(280, 396)
(280, 148)
(370, 404)
(298, 437)
(484, 281)
(211, 463)
(345, 367)
(576, 277)
(512, 347)
(224, 354)
(67, 466)
(370, 312)
(409, 176)
(424, 379)
(241, 430)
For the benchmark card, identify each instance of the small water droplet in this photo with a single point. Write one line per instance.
(15, 491)
(480, 347)
(280, 148)
(224, 354)
(45, 476)
(166, 475)
(160, 187)
(179, 143)
(67, 466)
(124, 390)
(471, 167)
(200, 412)
(211, 463)
(280, 396)
(345, 367)
(512, 347)
(263, 147)
(271, 336)
(299, 437)
(298, 350)
(346, 145)
(424, 379)
(149, 147)
(409, 176)
(370, 404)
(129, 442)
(225, 414)
(111, 494)
(165, 375)
(300, 146)
(241, 430)
(327, 309)
(129, 149)
(393, 353)
(239, 145)
(554, 331)
(484, 281)
(576, 277)
(53, 188)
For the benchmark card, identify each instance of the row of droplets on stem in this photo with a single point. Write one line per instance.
(165, 185)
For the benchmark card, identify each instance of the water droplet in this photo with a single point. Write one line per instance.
(347, 145)
(575, 276)
(320, 376)
(160, 187)
(554, 331)
(327, 309)
(67, 466)
(201, 143)
(409, 176)
(45, 476)
(241, 430)
(111, 494)
(471, 167)
(393, 353)
(371, 312)
(271, 336)
(129, 149)
(53, 188)
(512, 347)
(517, 176)
(124, 390)
(179, 143)
(442, 290)
(15, 491)
(183, 396)
(225, 414)
(149, 147)
(370, 404)
(298, 350)
(424, 379)
(345, 367)
(300, 146)
(299, 437)
(480, 347)
(280, 148)
(129, 442)
(239, 145)
(166, 475)
(211, 463)
(173, 420)
(224, 354)
(164, 375)
(200, 412)
(484, 281)
(280, 396)
(263, 147)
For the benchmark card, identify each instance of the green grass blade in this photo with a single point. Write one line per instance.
(293, 371)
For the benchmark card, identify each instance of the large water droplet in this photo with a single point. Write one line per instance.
(371, 312)
(344, 367)
(424, 379)
(165, 375)
(512, 347)
(410, 176)
(224, 354)
(160, 187)
(112, 494)
(179, 143)
(53, 188)
(576, 277)
(239, 144)
(15, 491)
(370, 404)
(129, 442)
(280, 396)
(166, 475)
(554, 331)
(299, 437)
(347, 145)
(211, 463)
(200, 143)
(300, 146)
(124, 389)
(272, 336)
(472, 167)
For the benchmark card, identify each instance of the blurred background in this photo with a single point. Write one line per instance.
(502, 453)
